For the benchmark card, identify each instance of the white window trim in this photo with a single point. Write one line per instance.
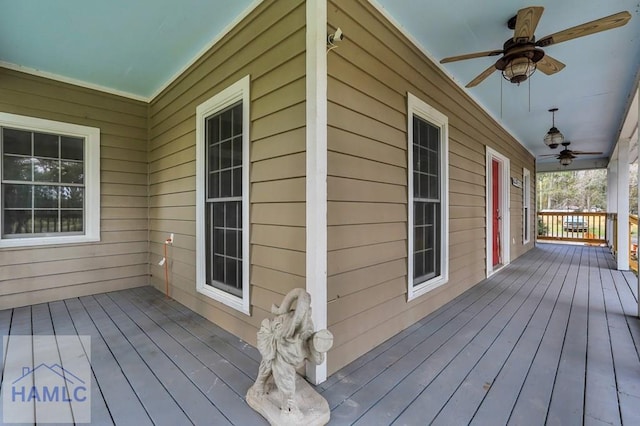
(416, 106)
(91, 135)
(238, 91)
(526, 205)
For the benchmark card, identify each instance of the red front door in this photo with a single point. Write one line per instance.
(495, 197)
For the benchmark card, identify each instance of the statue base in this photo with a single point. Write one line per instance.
(313, 408)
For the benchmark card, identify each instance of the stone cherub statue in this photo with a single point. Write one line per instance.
(285, 342)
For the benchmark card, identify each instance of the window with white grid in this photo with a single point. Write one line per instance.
(49, 189)
(428, 197)
(222, 199)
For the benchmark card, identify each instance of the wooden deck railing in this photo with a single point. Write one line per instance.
(588, 228)
(585, 227)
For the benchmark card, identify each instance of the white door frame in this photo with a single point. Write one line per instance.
(505, 224)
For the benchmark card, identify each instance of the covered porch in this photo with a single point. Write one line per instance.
(553, 338)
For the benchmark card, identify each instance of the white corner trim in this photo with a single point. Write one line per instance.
(73, 81)
(316, 169)
(205, 49)
(234, 93)
(428, 54)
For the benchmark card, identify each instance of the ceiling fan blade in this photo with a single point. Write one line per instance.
(602, 24)
(549, 65)
(548, 155)
(526, 23)
(585, 153)
(471, 56)
(480, 78)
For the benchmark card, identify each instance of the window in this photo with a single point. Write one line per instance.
(50, 182)
(526, 206)
(222, 218)
(428, 197)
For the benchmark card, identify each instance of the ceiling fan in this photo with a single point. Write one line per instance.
(566, 156)
(522, 54)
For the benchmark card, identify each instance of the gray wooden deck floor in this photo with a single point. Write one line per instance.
(551, 339)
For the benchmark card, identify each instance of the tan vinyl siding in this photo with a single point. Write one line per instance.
(268, 45)
(33, 275)
(370, 74)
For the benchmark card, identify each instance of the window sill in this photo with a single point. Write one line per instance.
(47, 241)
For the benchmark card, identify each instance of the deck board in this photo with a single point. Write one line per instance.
(551, 339)
(435, 353)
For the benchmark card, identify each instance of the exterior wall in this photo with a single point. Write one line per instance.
(33, 275)
(269, 45)
(370, 74)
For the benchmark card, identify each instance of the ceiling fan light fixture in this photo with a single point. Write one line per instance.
(519, 69)
(554, 137)
(565, 161)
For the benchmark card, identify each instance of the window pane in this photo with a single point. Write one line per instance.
(214, 157)
(418, 238)
(218, 268)
(16, 168)
(213, 130)
(429, 267)
(45, 221)
(418, 264)
(17, 221)
(71, 172)
(45, 196)
(225, 155)
(416, 158)
(46, 170)
(237, 183)
(424, 186)
(433, 163)
(71, 148)
(425, 160)
(237, 119)
(230, 243)
(17, 196)
(214, 185)
(231, 214)
(434, 188)
(218, 241)
(418, 213)
(71, 221)
(434, 137)
(225, 125)
(218, 214)
(16, 141)
(45, 145)
(237, 151)
(71, 197)
(225, 183)
(230, 272)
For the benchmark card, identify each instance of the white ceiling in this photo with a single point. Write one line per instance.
(137, 47)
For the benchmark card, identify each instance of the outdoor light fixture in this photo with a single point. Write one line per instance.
(565, 161)
(519, 69)
(553, 138)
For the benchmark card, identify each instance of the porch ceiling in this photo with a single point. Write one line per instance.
(138, 47)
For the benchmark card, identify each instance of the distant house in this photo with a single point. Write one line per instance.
(386, 195)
